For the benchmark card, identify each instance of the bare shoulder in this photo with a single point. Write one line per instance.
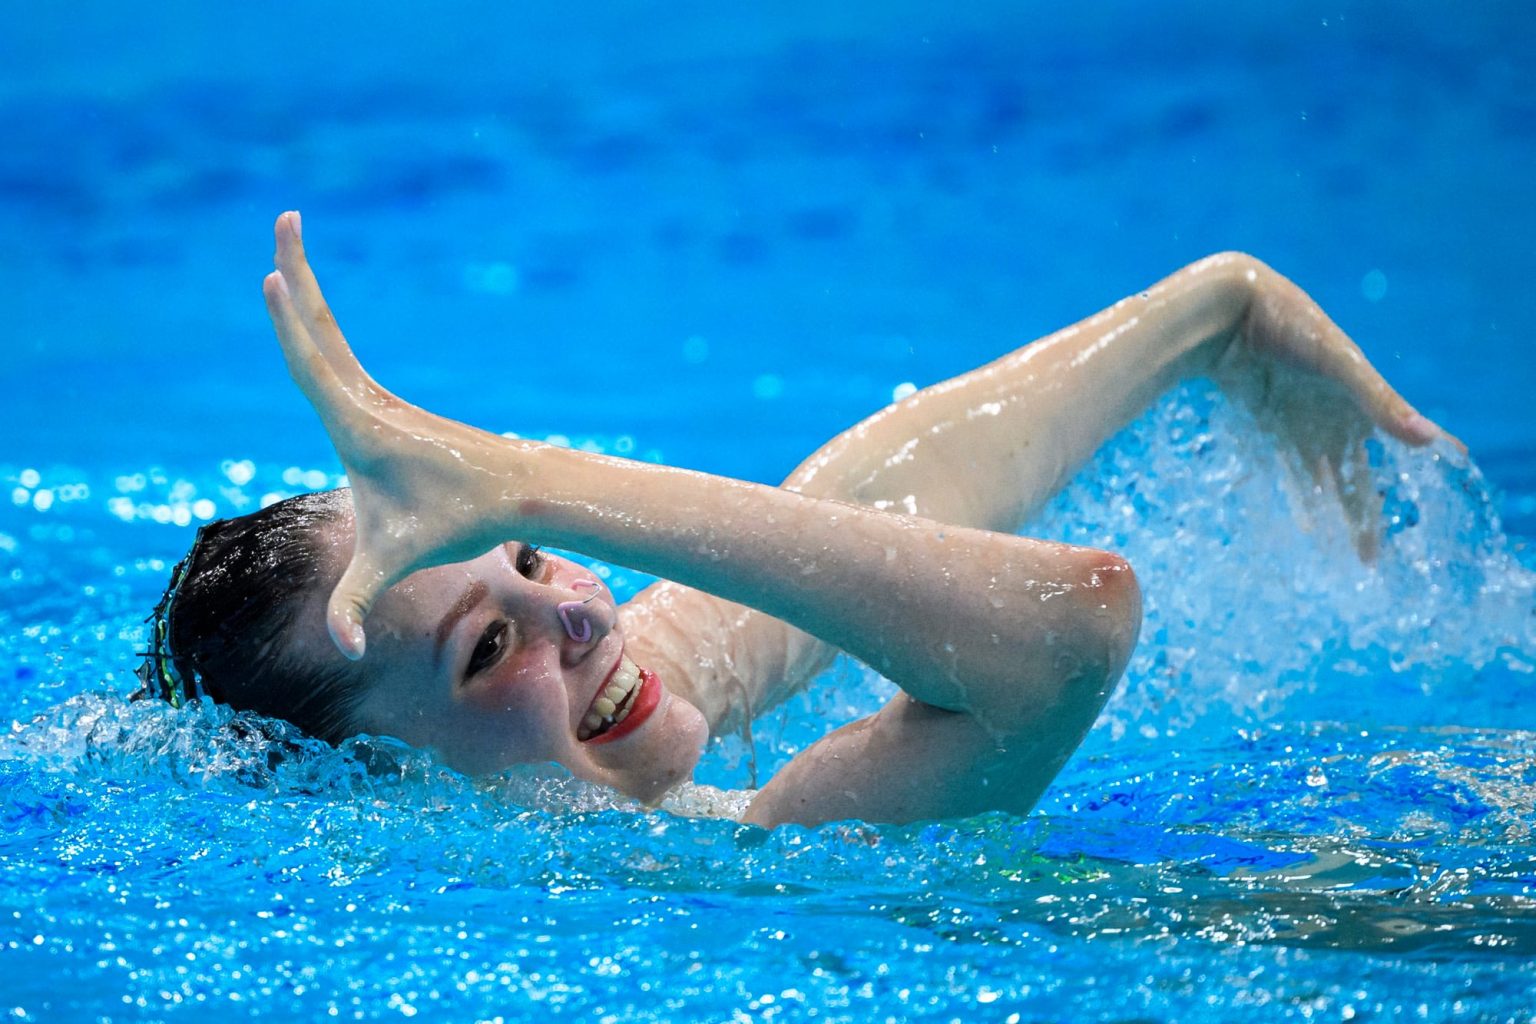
(730, 661)
(661, 633)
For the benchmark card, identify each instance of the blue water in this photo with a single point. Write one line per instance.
(713, 237)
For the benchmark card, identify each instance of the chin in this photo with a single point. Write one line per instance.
(667, 756)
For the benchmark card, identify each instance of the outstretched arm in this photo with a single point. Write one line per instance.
(990, 447)
(955, 616)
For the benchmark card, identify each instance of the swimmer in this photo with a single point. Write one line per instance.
(421, 604)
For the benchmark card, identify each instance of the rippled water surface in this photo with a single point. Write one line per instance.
(1314, 792)
(711, 243)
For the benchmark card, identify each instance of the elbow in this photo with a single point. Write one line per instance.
(1108, 613)
(1115, 595)
(1074, 667)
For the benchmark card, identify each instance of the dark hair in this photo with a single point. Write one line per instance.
(246, 583)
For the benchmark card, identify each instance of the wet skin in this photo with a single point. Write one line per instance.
(895, 542)
(472, 660)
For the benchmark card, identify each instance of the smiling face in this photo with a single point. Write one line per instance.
(515, 657)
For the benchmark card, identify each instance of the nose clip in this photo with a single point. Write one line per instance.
(574, 613)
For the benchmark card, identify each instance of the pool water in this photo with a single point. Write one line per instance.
(713, 239)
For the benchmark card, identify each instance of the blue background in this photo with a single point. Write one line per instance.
(520, 213)
(713, 235)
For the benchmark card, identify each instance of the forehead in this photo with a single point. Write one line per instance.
(421, 592)
(399, 619)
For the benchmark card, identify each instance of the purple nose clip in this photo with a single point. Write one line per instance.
(573, 613)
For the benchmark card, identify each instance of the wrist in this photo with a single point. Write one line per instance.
(1235, 285)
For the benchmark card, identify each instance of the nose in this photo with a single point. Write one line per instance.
(586, 618)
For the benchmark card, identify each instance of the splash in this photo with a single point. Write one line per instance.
(1257, 606)
(1312, 778)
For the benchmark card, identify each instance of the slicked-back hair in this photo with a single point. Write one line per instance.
(237, 608)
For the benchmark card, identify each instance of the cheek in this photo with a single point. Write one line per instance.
(524, 700)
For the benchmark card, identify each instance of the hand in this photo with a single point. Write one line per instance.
(1312, 389)
(408, 468)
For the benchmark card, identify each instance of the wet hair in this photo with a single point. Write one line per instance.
(232, 610)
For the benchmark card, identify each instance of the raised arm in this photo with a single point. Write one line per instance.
(955, 616)
(988, 448)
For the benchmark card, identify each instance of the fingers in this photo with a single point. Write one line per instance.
(1360, 501)
(301, 279)
(1391, 412)
(350, 603)
(310, 370)
(1343, 361)
(312, 308)
(1333, 354)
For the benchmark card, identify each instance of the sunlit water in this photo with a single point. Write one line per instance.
(1313, 796)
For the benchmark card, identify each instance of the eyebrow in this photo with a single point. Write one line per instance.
(462, 607)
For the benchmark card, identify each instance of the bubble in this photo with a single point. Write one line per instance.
(902, 390)
(1374, 286)
(203, 509)
(293, 476)
(768, 386)
(43, 500)
(30, 478)
(238, 473)
(314, 479)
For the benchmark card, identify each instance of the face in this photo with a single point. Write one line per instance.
(518, 657)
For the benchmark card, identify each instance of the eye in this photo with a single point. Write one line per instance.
(529, 560)
(488, 649)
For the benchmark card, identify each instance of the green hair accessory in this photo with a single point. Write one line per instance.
(162, 674)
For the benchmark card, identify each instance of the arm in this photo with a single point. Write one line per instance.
(1006, 437)
(953, 615)
(1002, 643)
(989, 448)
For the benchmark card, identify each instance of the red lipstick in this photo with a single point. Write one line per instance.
(644, 702)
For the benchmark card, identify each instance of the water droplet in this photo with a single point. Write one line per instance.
(1374, 285)
(768, 386)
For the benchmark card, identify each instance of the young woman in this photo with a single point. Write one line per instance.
(418, 606)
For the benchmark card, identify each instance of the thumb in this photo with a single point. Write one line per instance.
(350, 603)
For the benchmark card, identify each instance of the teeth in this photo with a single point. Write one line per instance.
(606, 710)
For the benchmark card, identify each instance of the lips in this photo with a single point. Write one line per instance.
(647, 698)
(627, 698)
